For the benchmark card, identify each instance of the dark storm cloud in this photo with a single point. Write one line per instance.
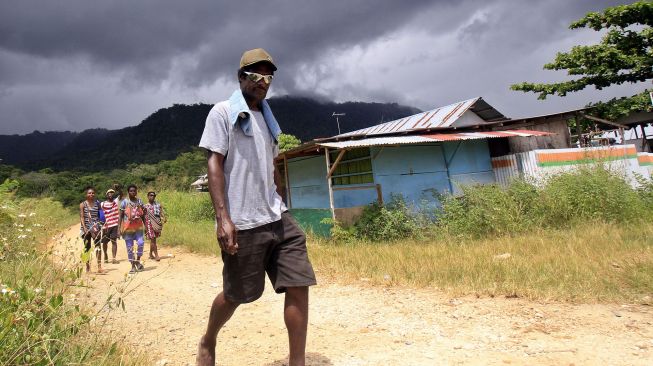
(144, 37)
(118, 61)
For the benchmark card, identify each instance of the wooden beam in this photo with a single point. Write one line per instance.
(644, 138)
(601, 120)
(328, 163)
(355, 188)
(379, 194)
(579, 130)
(285, 172)
(378, 153)
(335, 163)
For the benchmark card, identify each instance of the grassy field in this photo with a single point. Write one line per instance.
(592, 262)
(39, 324)
(190, 221)
(598, 262)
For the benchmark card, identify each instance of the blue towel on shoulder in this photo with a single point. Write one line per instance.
(239, 111)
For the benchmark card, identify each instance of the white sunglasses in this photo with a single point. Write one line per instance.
(256, 77)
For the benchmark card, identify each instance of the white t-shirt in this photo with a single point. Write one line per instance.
(251, 194)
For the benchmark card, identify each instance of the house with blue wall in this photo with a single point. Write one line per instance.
(418, 157)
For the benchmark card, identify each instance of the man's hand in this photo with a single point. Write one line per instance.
(226, 232)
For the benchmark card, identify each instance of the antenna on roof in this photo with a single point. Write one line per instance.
(337, 121)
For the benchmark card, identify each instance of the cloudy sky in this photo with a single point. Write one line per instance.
(72, 65)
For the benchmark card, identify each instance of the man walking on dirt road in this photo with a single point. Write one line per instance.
(255, 232)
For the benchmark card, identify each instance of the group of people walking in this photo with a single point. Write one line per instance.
(119, 216)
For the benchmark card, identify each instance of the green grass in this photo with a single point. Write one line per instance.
(595, 262)
(38, 324)
(589, 262)
(190, 221)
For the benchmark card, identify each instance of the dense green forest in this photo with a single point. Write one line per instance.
(177, 129)
(67, 186)
(19, 149)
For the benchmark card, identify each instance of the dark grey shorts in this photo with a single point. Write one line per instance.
(278, 249)
(110, 234)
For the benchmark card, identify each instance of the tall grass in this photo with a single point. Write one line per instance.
(40, 326)
(592, 262)
(563, 201)
(584, 236)
(190, 221)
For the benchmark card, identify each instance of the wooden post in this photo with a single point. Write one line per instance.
(579, 131)
(328, 167)
(379, 194)
(285, 172)
(645, 147)
(335, 163)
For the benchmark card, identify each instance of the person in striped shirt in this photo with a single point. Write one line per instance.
(90, 228)
(111, 212)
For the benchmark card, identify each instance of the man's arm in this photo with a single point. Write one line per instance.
(226, 230)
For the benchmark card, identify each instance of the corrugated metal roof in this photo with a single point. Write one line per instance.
(435, 118)
(430, 138)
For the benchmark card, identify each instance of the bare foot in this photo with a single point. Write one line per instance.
(205, 353)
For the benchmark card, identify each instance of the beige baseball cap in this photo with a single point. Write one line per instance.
(255, 56)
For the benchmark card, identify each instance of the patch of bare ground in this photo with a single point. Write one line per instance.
(357, 324)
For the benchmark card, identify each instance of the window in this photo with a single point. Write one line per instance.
(355, 167)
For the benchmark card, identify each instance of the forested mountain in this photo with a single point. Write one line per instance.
(18, 149)
(169, 131)
(308, 119)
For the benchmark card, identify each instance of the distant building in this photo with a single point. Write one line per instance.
(418, 157)
(201, 184)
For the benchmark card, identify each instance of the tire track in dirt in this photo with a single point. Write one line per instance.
(357, 324)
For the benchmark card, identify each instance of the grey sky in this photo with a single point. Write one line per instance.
(72, 65)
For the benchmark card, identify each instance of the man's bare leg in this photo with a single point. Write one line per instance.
(221, 311)
(295, 315)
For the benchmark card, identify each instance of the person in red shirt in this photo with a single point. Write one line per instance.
(111, 233)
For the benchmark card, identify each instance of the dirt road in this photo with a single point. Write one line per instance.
(358, 324)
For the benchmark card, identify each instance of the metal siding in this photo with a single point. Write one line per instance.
(458, 180)
(407, 159)
(308, 183)
(537, 165)
(353, 198)
(429, 138)
(505, 169)
(392, 170)
(471, 157)
(414, 188)
(437, 117)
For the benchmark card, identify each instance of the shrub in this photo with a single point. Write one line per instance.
(645, 190)
(567, 199)
(39, 324)
(488, 210)
(9, 185)
(393, 221)
(590, 194)
(190, 207)
(339, 232)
